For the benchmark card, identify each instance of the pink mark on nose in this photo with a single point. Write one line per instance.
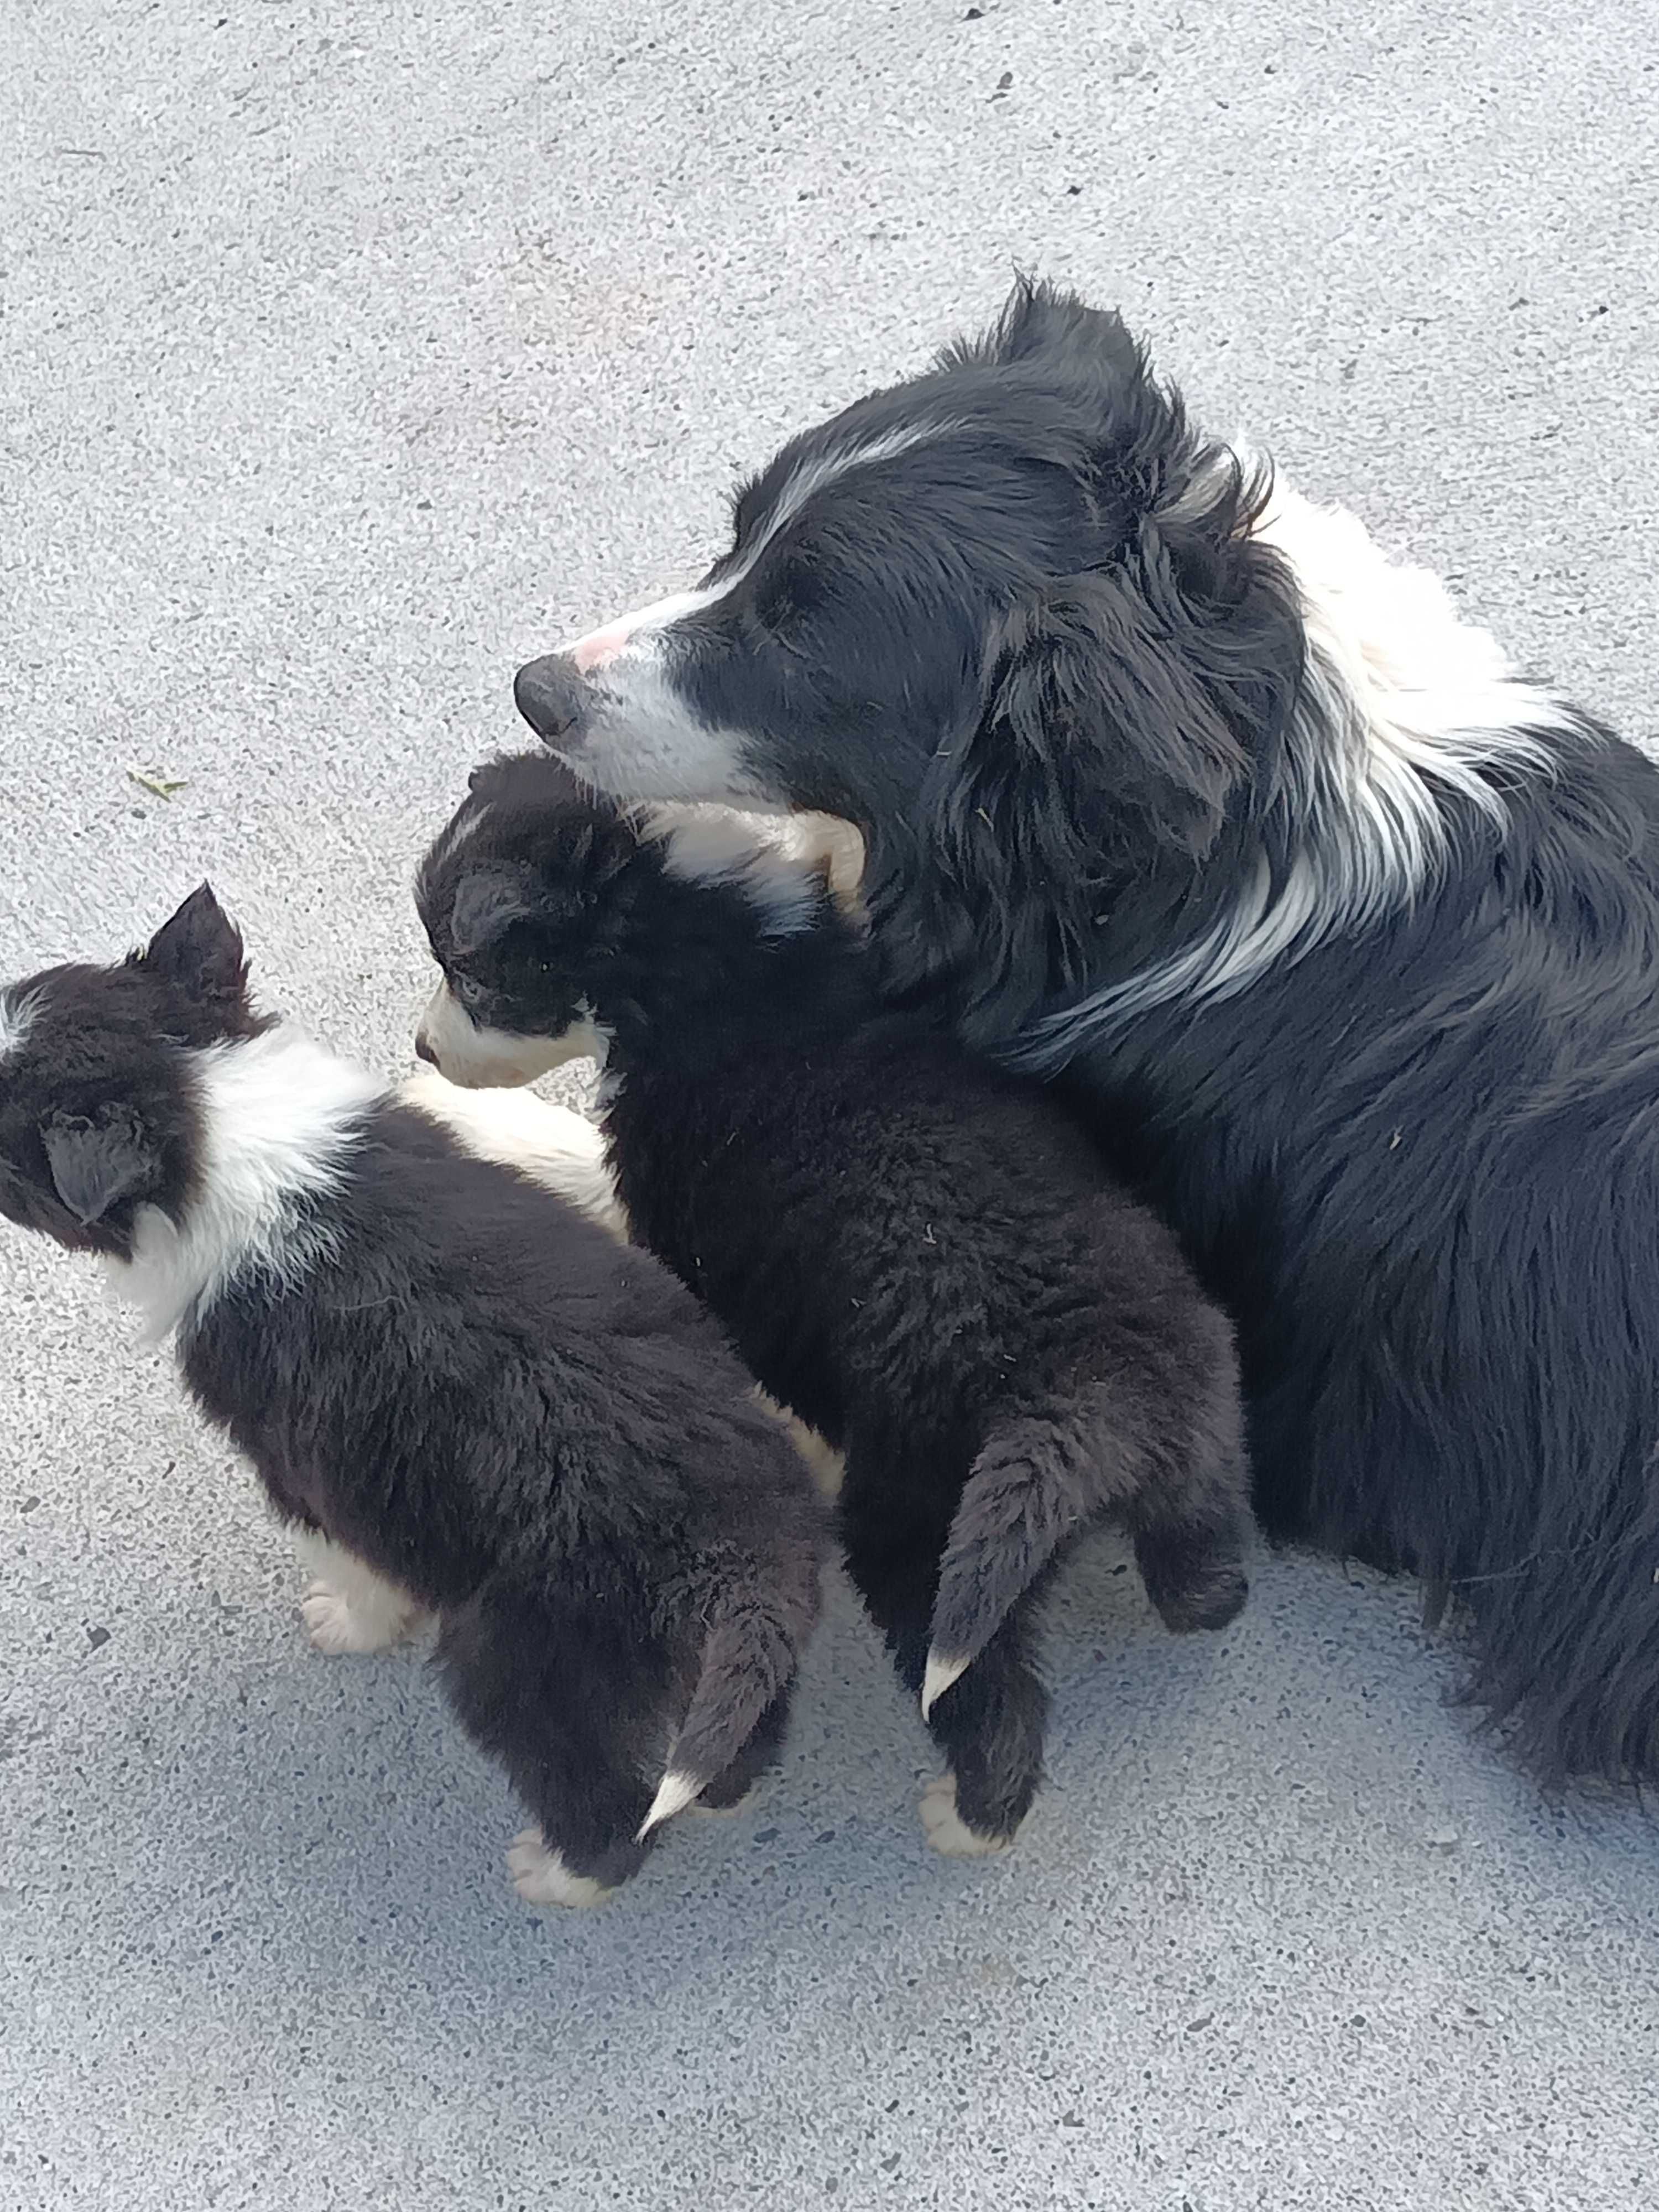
(600, 646)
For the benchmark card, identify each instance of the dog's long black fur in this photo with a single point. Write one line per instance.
(919, 1255)
(1046, 658)
(451, 1373)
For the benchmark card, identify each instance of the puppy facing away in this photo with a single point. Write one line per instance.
(915, 1252)
(470, 1398)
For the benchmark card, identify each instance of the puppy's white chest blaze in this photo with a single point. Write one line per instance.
(279, 1117)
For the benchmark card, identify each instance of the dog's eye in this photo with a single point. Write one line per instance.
(467, 989)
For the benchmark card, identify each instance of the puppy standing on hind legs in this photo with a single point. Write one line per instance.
(489, 1409)
(918, 1255)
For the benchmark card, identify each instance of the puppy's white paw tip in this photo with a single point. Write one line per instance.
(945, 1829)
(541, 1876)
(334, 1625)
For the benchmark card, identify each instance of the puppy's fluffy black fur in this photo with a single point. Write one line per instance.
(918, 1254)
(442, 1367)
(1174, 788)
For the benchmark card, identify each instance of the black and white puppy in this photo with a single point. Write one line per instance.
(919, 1256)
(1179, 789)
(473, 1399)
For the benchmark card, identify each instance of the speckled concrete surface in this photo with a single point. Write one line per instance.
(349, 356)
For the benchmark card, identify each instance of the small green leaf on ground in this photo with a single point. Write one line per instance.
(159, 786)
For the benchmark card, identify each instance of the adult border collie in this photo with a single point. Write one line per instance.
(1177, 787)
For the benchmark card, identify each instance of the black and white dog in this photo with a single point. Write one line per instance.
(914, 1252)
(1177, 788)
(473, 1401)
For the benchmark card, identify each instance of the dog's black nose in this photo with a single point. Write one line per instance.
(423, 1050)
(549, 694)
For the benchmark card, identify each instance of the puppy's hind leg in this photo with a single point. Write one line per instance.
(542, 1874)
(347, 1606)
(989, 1722)
(1191, 1538)
(570, 1699)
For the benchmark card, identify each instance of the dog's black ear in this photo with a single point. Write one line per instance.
(1095, 710)
(1042, 322)
(200, 951)
(488, 901)
(96, 1160)
(1124, 716)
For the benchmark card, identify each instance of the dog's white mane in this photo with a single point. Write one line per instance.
(1404, 704)
(279, 1117)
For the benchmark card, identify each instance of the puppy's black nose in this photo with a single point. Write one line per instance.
(423, 1050)
(549, 694)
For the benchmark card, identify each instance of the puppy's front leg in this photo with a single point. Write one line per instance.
(346, 1607)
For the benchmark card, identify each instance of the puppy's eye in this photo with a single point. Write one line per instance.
(467, 989)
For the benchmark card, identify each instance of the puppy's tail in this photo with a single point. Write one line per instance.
(1050, 1473)
(1037, 1482)
(749, 1658)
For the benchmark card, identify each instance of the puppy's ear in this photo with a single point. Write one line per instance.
(1043, 323)
(557, 785)
(488, 901)
(545, 773)
(95, 1161)
(200, 951)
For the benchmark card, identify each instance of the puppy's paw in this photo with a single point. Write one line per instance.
(541, 1876)
(347, 1607)
(1210, 1600)
(946, 1831)
(340, 1620)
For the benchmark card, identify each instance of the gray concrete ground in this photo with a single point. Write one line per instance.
(350, 355)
